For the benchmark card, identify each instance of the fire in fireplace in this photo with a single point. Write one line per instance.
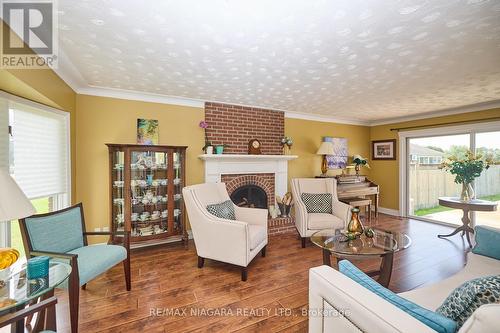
(251, 196)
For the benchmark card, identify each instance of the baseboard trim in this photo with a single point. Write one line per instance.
(388, 211)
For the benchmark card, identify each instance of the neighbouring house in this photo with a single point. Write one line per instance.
(425, 156)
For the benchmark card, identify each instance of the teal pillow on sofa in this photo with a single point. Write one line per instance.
(487, 242)
(464, 300)
(432, 319)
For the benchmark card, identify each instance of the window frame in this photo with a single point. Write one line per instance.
(60, 200)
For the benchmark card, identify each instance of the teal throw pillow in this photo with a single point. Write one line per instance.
(487, 242)
(464, 300)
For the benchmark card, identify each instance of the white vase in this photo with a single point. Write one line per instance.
(210, 150)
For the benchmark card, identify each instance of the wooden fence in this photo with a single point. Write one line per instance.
(427, 184)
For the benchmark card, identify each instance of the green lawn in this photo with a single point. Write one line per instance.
(438, 209)
(41, 206)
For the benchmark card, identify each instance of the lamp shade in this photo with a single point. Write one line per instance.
(13, 203)
(326, 148)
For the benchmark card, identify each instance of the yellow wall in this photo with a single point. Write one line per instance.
(307, 136)
(107, 120)
(386, 173)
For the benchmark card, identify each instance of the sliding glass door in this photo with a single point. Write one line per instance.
(427, 182)
(423, 182)
(488, 184)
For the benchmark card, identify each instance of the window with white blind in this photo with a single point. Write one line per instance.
(35, 146)
(40, 164)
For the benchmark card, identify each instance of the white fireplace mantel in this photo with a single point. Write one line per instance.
(217, 165)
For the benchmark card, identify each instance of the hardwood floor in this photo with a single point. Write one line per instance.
(167, 278)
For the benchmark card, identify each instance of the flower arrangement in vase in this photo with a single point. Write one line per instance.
(466, 169)
(358, 162)
(286, 143)
(207, 148)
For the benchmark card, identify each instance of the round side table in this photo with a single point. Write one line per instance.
(19, 291)
(466, 206)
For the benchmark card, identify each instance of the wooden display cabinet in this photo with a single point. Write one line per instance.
(146, 192)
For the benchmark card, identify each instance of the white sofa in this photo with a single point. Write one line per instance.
(308, 223)
(234, 242)
(337, 304)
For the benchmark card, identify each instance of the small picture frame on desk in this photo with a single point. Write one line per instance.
(384, 149)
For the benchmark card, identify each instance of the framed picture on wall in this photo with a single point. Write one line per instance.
(147, 132)
(339, 159)
(384, 149)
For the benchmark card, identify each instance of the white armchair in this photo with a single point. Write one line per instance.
(234, 242)
(308, 223)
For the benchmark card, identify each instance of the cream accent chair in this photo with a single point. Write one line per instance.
(308, 223)
(234, 242)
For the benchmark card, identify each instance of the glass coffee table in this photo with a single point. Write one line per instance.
(383, 245)
(16, 290)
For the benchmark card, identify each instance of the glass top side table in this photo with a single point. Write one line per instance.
(383, 244)
(17, 290)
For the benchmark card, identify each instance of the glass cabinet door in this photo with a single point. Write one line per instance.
(177, 192)
(118, 182)
(149, 193)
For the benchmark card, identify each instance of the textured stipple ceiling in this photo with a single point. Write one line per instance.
(365, 60)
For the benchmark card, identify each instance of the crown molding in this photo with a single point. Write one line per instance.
(140, 96)
(440, 113)
(299, 115)
(70, 74)
(325, 119)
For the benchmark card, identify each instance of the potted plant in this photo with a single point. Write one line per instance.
(466, 169)
(358, 162)
(207, 148)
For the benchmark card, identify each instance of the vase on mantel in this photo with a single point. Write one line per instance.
(467, 193)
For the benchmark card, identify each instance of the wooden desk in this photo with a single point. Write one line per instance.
(363, 187)
(466, 206)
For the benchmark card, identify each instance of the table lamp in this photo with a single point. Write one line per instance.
(13, 205)
(326, 148)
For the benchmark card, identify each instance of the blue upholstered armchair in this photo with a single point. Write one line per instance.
(61, 235)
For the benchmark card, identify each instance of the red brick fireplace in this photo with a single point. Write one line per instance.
(236, 126)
